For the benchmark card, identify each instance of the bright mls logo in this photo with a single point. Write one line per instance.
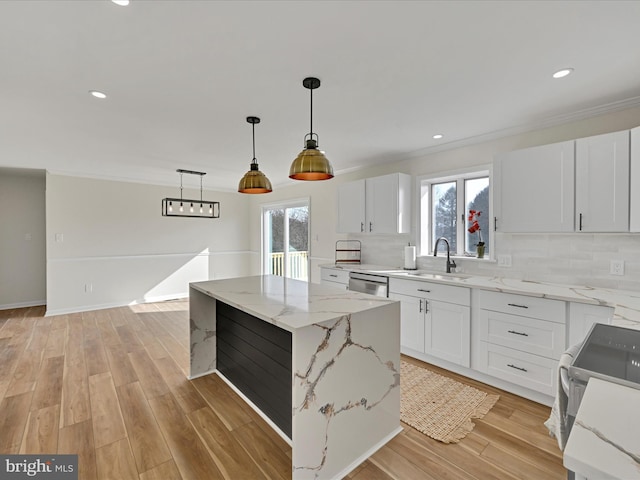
(49, 467)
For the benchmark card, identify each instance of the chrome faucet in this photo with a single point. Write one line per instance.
(451, 264)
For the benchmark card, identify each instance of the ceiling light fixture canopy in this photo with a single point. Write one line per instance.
(184, 207)
(311, 163)
(254, 181)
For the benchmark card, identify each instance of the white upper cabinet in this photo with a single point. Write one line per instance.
(534, 189)
(634, 204)
(602, 183)
(375, 205)
(351, 207)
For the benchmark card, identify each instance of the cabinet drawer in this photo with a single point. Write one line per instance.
(530, 371)
(531, 335)
(535, 307)
(335, 275)
(436, 291)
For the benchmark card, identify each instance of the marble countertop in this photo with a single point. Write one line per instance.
(626, 304)
(287, 303)
(604, 441)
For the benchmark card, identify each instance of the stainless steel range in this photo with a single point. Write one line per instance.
(610, 353)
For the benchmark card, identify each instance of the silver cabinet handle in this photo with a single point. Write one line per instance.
(420, 306)
(426, 306)
(362, 226)
(516, 305)
(518, 333)
(332, 275)
(370, 226)
(517, 368)
(580, 222)
(423, 290)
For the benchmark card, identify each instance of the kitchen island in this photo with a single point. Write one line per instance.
(320, 364)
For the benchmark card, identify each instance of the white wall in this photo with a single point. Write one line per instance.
(118, 249)
(22, 239)
(574, 258)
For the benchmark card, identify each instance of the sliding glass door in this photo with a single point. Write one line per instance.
(285, 249)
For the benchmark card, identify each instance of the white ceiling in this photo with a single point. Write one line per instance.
(181, 77)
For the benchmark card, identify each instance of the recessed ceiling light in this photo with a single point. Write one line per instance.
(563, 73)
(122, 3)
(98, 94)
(438, 136)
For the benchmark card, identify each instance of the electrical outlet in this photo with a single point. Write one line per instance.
(616, 267)
(88, 287)
(504, 260)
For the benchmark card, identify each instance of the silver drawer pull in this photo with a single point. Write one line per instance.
(518, 333)
(332, 275)
(516, 305)
(517, 368)
(423, 290)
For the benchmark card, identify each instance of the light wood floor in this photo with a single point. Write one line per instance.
(111, 386)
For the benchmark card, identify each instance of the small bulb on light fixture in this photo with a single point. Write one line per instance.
(181, 208)
(200, 208)
(210, 209)
(191, 208)
(171, 206)
(98, 94)
(563, 73)
(438, 136)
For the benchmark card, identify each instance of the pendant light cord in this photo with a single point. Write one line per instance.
(311, 120)
(253, 130)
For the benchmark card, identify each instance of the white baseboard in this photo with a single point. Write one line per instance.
(103, 306)
(32, 303)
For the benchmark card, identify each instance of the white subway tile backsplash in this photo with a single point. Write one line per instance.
(577, 259)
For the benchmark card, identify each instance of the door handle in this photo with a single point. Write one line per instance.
(362, 226)
(517, 368)
(426, 306)
(580, 222)
(518, 333)
(420, 306)
(516, 305)
(370, 226)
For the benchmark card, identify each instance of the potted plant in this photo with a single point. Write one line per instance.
(474, 227)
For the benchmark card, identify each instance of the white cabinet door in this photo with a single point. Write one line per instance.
(582, 316)
(634, 204)
(534, 189)
(351, 207)
(602, 183)
(388, 200)
(411, 321)
(448, 332)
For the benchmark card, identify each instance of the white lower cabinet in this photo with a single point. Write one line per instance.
(582, 316)
(432, 326)
(335, 277)
(520, 339)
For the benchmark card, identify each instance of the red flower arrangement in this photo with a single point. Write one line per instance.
(474, 226)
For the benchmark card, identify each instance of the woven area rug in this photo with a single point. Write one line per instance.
(438, 406)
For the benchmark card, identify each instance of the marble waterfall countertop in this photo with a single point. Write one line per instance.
(604, 441)
(626, 304)
(289, 304)
(345, 364)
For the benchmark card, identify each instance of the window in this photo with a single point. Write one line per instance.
(286, 240)
(445, 203)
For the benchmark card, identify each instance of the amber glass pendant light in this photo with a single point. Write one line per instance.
(311, 164)
(254, 181)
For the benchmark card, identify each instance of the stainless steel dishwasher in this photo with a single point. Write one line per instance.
(368, 283)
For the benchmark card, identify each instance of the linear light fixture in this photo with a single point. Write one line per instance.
(185, 207)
